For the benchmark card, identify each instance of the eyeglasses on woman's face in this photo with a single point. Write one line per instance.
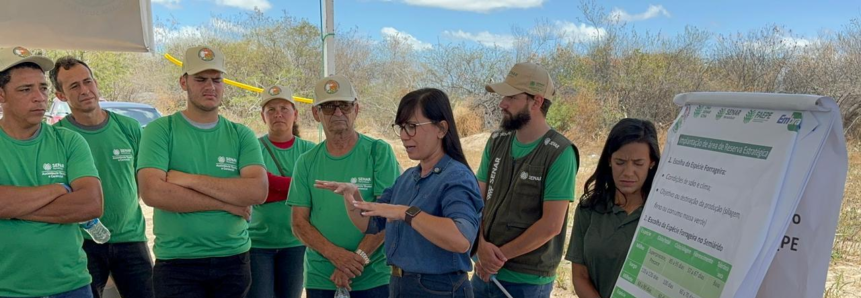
(410, 128)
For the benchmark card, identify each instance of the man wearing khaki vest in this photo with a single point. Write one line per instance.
(527, 177)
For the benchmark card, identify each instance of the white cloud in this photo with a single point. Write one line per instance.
(566, 31)
(485, 38)
(225, 25)
(798, 42)
(262, 5)
(782, 43)
(619, 15)
(163, 35)
(172, 4)
(574, 33)
(482, 6)
(418, 45)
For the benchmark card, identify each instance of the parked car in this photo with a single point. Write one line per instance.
(57, 111)
(143, 113)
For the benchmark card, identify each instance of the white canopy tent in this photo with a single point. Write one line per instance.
(103, 25)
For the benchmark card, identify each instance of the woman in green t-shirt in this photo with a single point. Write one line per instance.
(608, 213)
(277, 256)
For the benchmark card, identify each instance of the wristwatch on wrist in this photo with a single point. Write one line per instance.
(413, 211)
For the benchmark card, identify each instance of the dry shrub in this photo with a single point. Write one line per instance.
(588, 124)
(469, 119)
(588, 111)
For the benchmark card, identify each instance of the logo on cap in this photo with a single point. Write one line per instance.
(331, 86)
(274, 91)
(206, 54)
(535, 86)
(21, 52)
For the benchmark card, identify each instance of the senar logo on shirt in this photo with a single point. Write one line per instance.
(226, 163)
(524, 175)
(54, 170)
(492, 178)
(363, 183)
(550, 142)
(497, 134)
(123, 155)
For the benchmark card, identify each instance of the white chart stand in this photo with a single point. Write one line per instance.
(745, 202)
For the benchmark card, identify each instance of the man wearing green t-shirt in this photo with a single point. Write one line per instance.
(338, 254)
(201, 173)
(48, 184)
(527, 177)
(113, 140)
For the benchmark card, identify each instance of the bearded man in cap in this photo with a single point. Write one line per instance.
(201, 173)
(525, 215)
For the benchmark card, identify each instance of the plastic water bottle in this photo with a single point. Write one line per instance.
(97, 230)
(342, 293)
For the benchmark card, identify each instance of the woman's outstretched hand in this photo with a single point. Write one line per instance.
(348, 190)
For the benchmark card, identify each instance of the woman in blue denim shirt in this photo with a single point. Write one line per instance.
(431, 214)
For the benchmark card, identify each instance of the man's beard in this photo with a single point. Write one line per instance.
(516, 121)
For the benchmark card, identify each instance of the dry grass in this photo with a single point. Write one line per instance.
(848, 241)
(588, 118)
(844, 274)
(469, 119)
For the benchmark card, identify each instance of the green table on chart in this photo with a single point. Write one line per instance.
(664, 267)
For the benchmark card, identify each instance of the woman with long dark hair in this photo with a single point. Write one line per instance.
(608, 213)
(431, 214)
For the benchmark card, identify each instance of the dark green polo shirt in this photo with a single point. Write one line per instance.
(600, 241)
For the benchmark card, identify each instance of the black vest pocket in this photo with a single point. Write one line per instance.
(529, 182)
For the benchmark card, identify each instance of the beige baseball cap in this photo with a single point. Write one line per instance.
(202, 58)
(276, 92)
(334, 88)
(525, 77)
(10, 57)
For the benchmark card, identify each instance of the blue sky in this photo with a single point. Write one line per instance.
(424, 23)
